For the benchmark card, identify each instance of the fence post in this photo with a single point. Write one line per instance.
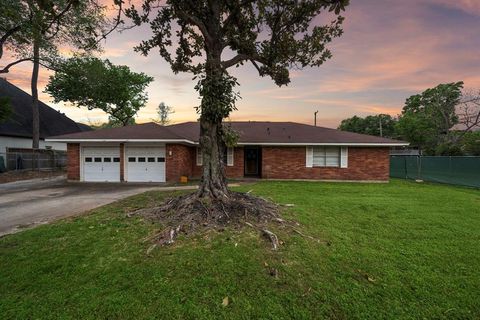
(419, 168)
(450, 173)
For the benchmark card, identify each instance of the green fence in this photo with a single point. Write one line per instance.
(463, 171)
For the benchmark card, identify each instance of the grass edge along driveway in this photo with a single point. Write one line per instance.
(400, 250)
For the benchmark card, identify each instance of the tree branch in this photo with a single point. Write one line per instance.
(235, 60)
(56, 18)
(4, 38)
(197, 22)
(6, 69)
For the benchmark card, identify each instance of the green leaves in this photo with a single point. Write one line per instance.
(98, 84)
(218, 96)
(427, 118)
(5, 109)
(377, 125)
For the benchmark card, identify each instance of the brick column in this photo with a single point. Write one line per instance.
(73, 161)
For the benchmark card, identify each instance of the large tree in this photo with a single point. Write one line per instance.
(33, 30)
(427, 118)
(98, 84)
(208, 37)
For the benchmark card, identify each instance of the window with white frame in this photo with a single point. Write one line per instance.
(199, 157)
(326, 156)
(227, 157)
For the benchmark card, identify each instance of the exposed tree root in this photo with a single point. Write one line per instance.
(189, 214)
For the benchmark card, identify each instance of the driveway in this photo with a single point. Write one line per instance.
(25, 204)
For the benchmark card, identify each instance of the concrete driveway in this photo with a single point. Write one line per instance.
(25, 204)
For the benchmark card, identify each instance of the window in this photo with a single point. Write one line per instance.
(326, 156)
(98, 159)
(131, 159)
(199, 157)
(88, 159)
(107, 159)
(141, 159)
(151, 159)
(161, 159)
(228, 157)
(116, 159)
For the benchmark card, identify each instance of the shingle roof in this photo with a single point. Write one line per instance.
(251, 132)
(52, 122)
(144, 131)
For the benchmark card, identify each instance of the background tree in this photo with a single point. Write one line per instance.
(5, 109)
(272, 35)
(33, 30)
(468, 111)
(470, 143)
(164, 113)
(98, 84)
(427, 118)
(382, 125)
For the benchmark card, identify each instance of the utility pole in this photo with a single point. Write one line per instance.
(315, 118)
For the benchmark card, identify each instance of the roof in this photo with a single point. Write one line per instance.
(52, 122)
(251, 133)
(145, 131)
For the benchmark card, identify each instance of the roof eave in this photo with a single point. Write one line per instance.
(353, 144)
(78, 140)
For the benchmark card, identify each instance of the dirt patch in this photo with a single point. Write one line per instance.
(188, 214)
(11, 176)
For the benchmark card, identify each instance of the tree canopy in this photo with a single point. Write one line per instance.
(98, 84)
(376, 125)
(49, 24)
(427, 118)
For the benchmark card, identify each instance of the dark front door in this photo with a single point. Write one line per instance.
(252, 161)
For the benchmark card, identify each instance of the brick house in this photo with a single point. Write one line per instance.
(269, 150)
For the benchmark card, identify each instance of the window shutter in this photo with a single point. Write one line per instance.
(309, 157)
(199, 157)
(230, 157)
(344, 157)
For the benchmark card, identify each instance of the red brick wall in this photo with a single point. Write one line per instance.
(73, 161)
(289, 163)
(178, 161)
(235, 171)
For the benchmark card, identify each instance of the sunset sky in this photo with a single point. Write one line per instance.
(390, 50)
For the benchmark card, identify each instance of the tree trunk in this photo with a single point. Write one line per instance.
(213, 184)
(34, 83)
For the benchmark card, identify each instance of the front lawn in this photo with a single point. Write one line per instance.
(393, 251)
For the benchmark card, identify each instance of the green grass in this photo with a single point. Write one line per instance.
(397, 251)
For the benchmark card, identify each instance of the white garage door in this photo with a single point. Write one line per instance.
(101, 164)
(145, 164)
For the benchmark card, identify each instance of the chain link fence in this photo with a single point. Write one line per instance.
(464, 171)
(29, 159)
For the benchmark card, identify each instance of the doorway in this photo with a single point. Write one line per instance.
(253, 161)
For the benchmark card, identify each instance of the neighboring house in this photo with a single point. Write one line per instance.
(270, 150)
(16, 133)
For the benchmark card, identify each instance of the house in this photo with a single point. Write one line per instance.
(270, 150)
(16, 133)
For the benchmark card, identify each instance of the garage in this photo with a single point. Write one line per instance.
(145, 164)
(101, 164)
